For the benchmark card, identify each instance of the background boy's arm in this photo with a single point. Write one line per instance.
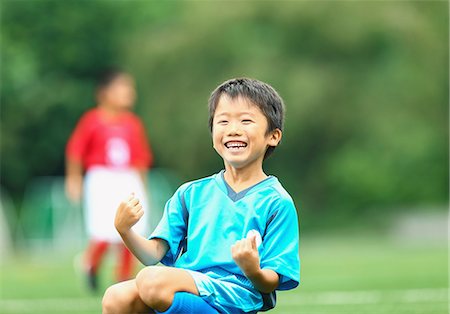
(245, 254)
(74, 180)
(149, 252)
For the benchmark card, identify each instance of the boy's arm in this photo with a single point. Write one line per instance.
(245, 254)
(74, 180)
(149, 252)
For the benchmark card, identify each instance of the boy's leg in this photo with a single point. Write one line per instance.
(123, 297)
(94, 254)
(93, 258)
(157, 286)
(125, 263)
(188, 303)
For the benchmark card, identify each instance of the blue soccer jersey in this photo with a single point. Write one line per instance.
(204, 218)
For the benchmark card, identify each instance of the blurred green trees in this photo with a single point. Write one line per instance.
(366, 87)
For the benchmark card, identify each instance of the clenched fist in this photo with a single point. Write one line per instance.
(128, 214)
(245, 254)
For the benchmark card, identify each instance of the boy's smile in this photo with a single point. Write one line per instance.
(235, 145)
(240, 134)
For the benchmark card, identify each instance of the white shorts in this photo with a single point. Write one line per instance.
(104, 189)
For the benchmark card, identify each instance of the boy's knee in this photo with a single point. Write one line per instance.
(151, 278)
(123, 297)
(111, 300)
(152, 287)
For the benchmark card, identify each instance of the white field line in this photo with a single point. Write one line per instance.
(372, 297)
(59, 305)
(63, 305)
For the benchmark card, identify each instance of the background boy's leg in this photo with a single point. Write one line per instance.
(93, 258)
(125, 264)
(123, 297)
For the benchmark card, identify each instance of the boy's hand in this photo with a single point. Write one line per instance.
(74, 188)
(128, 214)
(245, 253)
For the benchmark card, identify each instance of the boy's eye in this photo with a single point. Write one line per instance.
(246, 121)
(222, 122)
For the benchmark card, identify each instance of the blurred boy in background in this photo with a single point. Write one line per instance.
(107, 157)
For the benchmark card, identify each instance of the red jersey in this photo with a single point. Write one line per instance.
(115, 142)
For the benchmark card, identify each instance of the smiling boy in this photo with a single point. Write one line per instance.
(213, 266)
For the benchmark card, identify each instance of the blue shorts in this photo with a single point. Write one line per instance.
(227, 292)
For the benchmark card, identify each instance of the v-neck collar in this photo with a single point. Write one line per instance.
(236, 196)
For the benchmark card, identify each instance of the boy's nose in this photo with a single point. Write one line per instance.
(234, 129)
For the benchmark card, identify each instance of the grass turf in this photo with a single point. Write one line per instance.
(340, 274)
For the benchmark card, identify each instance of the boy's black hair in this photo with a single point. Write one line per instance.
(264, 96)
(107, 76)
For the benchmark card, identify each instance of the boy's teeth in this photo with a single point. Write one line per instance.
(235, 145)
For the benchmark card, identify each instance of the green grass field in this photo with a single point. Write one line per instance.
(340, 274)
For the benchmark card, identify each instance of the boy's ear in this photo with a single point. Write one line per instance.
(275, 137)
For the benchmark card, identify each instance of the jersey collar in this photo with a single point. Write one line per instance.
(236, 196)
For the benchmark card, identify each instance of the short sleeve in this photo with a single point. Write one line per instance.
(143, 153)
(173, 226)
(281, 244)
(79, 139)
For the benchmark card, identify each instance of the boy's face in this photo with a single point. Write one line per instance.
(119, 94)
(239, 132)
